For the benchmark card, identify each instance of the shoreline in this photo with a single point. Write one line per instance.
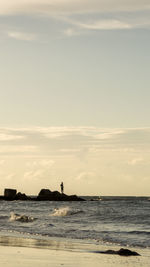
(16, 251)
(61, 243)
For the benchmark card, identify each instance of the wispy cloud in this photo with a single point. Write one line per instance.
(9, 137)
(9, 177)
(46, 163)
(87, 176)
(80, 28)
(71, 140)
(2, 162)
(71, 6)
(105, 25)
(85, 25)
(36, 174)
(17, 149)
(107, 15)
(22, 36)
(96, 24)
(136, 161)
(72, 32)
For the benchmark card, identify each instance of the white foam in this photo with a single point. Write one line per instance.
(65, 211)
(61, 212)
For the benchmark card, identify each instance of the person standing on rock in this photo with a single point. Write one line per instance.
(62, 187)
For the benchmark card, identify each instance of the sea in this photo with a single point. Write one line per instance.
(105, 220)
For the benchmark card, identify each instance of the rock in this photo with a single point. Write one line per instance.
(45, 194)
(121, 252)
(75, 198)
(57, 196)
(20, 196)
(127, 252)
(9, 194)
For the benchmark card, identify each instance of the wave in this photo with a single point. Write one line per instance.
(20, 218)
(139, 232)
(3, 217)
(65, 211)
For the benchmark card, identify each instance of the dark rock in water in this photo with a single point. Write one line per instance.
(74, 198)
(9, 194)
(121, 252)
(57, 196)
(20, 196)
(46, 194)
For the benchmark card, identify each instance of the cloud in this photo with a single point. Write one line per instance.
(38, 168)
(47, 143)
(86, 24)
(46, 163)
(83, 132)
(136, 161)
(92, 132)
(74, 150)
(13, 149)
(9, 137)
(86, 177)
(75, 17)
(70, 6)
(22, 36)
(2, 162)
(34, 174)
(10, 176)
(105, 25)
(108, 134)
(72, 32)
(80, 28)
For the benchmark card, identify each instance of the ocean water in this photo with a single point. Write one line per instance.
(123, 221)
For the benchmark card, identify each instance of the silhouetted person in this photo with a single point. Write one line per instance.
(62, 187)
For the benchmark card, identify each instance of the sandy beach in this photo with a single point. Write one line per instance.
(16, 256)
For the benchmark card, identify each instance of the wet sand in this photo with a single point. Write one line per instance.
(26, 252)
(33, 257)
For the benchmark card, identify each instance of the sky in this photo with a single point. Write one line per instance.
(74, 96)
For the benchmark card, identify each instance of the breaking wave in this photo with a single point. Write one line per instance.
(65, 211)
(20, 218)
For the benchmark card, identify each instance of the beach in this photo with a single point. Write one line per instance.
(32, 257)
(16, 252)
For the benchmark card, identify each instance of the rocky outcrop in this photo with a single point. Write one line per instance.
(20, 196)
(10, 194)
(121, 252)
(74, 198)
(46, 194)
